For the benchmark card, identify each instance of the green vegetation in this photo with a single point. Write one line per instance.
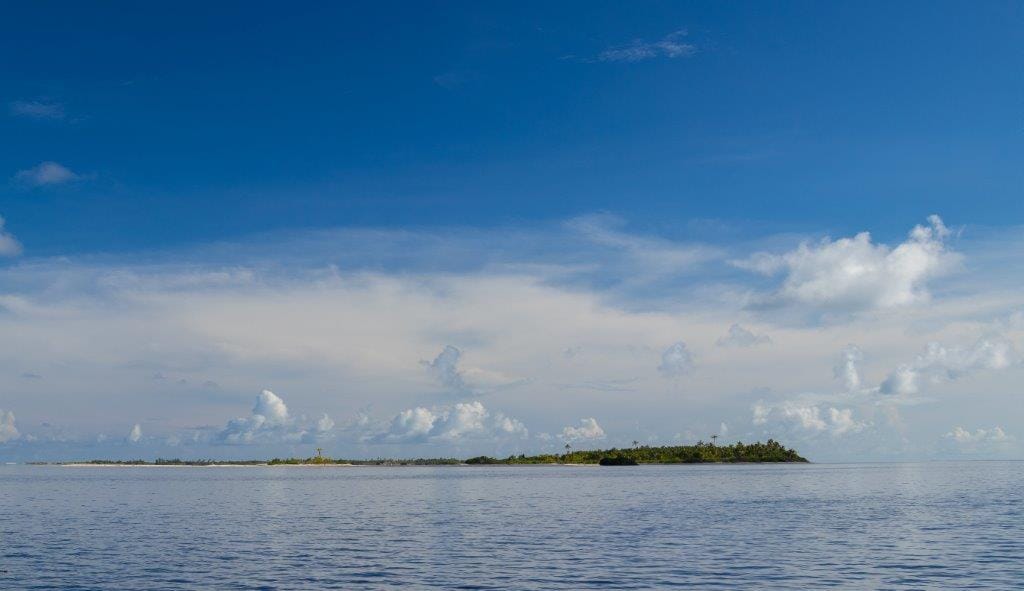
(770, 451)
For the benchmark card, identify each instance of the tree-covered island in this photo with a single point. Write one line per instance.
(700, 453)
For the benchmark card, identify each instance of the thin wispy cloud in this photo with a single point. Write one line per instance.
(9, 245)
(45, 174)
(37, 109)
(670, 46)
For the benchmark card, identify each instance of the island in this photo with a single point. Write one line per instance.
(700, 453)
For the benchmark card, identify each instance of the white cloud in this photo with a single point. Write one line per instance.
(46, 173)
(847, 370)
(271, 407)
(445, 368)
(135, 434)
(9, 245)
(38, 109)
(588, 430)
(854, 274)
(676, 361)
(270, 422)
(808, 418)
(938, 364)
(324, 424)
(742, 337)
(450, 424)
(273, 313)
(647, 258)
(8, 431)
(842, 421)
(965, 437)
(902, 381)
(670, 46)
(464, 382)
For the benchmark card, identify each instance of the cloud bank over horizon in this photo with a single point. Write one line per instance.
(845, 347)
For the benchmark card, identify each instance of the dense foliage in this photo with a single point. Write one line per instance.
(771, 451)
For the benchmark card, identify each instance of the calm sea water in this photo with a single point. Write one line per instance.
(896, 526)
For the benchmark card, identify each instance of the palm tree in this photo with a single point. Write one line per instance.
(567, 449)
(636, 443)
(714, 440)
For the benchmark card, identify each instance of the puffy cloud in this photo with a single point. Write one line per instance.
(38, 109)
(847, 370)
(588, 430)
(842, 421)
(938, 364)
(510, 426)
(676, 361)
(808, 417)
(270, 422)
(452, 424)
(670, 46)
(8, 431)
(445, 368)
(9, 245)
(135, 435)
(965, 437)
(463, 382)
(741, 337)
(902, 381)
(46, 173)
(852, 274)
(271, 407)
(324, 424)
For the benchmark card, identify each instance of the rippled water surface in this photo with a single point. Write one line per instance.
(896, 526)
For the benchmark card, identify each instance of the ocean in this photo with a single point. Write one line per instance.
(816, 526)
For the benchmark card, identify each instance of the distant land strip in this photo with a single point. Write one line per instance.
(700, 453)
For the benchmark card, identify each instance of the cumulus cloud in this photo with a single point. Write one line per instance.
(324, 424)
(809, 418)
(445, 368)
(451, 424)
(135, 434)
(965, 437)
(37, 109)
(742, 337)
(587, 430)
(8, 431)
(938, 364)
(847, 370)
(464, 382)
(9, 245)
(670, 46)
(45, 174)
(676, 361)
(853, 274)
(270, 422)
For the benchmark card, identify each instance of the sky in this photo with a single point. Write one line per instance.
(414, 229)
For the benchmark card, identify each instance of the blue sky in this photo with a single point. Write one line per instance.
(198, 123)
(656, 161)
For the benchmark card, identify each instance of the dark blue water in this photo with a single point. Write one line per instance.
(897, 526)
